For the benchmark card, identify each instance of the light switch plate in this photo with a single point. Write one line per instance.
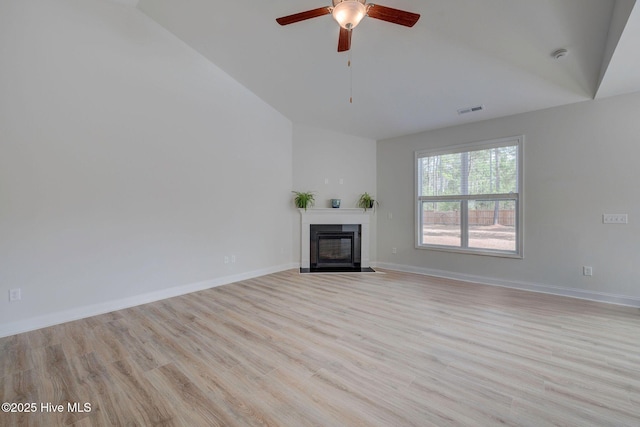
(614, 218)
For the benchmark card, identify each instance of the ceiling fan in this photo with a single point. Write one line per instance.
(349, 13)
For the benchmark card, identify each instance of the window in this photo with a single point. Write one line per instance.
(469, 198)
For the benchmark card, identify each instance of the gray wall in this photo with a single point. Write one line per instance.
(130, 166)
(580, 161)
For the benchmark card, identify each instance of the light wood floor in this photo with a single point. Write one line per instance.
(387, 349)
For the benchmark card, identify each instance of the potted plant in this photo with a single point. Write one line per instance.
(303, 199)
(366, 201)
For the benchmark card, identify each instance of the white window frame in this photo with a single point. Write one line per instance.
(464, 227)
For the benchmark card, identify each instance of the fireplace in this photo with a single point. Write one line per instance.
(334, 247)
(343, 246)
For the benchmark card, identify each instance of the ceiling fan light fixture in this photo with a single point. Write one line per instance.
(348, 13)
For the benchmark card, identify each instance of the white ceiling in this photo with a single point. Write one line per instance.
(461, 53)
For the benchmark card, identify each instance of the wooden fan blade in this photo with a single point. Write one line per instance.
(297, 17)
(344, 41)
(396, 16)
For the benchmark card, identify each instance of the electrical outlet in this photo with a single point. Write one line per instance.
(587, 271)
(15, 294)
(233, 258)
(394, 250)
(614, 218)
(226, 260)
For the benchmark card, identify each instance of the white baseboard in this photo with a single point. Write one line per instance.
(526, 286)
(106, 307)
(109, 306)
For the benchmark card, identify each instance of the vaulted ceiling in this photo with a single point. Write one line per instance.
(463, 53)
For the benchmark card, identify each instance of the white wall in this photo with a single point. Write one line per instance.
(580, 160)
(320, 155)
(129, 165)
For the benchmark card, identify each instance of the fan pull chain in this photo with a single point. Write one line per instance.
(350, 79)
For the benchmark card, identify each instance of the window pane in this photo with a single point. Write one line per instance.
(441, 175)
(492, 224)
(487, 171)
(441, 223)
(493, 171)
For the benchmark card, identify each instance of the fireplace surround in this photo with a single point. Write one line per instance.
(341, 230)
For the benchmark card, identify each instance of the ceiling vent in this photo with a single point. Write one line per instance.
(470, 109)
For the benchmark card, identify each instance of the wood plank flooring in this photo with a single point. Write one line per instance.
(385, 349)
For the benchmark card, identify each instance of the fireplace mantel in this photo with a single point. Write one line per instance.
(333, 216)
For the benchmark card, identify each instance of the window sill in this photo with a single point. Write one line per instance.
(482, 252)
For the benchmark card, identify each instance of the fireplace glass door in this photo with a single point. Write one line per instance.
(334, 246)
(335, 249)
